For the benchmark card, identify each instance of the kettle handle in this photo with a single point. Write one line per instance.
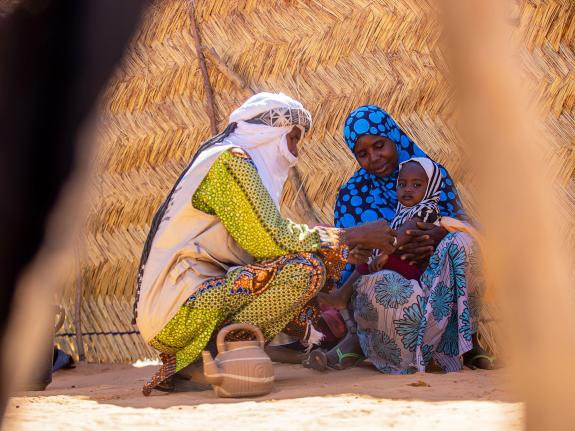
(221, 340)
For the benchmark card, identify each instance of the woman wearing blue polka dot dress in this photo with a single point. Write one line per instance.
(404, 326)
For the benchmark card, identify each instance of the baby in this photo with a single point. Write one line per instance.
(418, 189)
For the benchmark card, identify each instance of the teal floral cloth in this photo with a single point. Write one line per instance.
(403, 324)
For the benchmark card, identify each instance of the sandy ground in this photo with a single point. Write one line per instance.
(106, 397)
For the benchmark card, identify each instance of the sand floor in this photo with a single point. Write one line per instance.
(106, 397)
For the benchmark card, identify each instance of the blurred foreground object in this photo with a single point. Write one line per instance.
(526, 255)
(55, 58)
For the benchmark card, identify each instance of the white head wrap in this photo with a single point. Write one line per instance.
(433, 189)
(263, 123)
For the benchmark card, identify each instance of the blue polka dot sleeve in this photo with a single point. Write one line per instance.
(341, 221)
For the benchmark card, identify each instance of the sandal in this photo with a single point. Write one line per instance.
(477, 361)
(168, 385)
(479, 358)
(318, 360)
(181, 383)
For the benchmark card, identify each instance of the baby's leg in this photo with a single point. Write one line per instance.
(335, 299)
(339, 298)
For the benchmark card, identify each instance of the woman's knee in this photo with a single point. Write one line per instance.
(309, 263)
(461, 239)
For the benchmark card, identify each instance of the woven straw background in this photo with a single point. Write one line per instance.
(333, 55)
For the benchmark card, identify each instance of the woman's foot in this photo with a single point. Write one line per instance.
(433, 367)
(346, 354)
(285, 355)
(193, 373)
(168, 385)
(477, 357)
(190, 378)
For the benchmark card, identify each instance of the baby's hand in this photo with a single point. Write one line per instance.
(358, 255)
(377, 263)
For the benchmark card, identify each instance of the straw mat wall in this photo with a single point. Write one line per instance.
(333, 55)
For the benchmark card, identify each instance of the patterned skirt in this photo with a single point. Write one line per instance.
(404, 324)
(275, 295)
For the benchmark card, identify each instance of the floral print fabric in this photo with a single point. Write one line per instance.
(268, 294)
(404, 324)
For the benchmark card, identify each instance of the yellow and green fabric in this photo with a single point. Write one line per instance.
(276, 292)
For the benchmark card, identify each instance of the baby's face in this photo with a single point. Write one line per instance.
(411, 184)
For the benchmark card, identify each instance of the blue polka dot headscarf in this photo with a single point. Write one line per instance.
(367, 197)
(372, 120)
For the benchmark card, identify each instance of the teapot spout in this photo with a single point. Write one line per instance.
(211, 369)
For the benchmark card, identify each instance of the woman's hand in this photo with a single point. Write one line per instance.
(375, 234)
(422, 242)
(402, 237)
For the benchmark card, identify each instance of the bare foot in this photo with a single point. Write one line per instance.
(194, 372)
(284, 355)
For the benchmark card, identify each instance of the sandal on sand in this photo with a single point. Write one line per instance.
(180, 383)
(318, 360)
(478, 361)
(168, 385)
(479, 358)
(345, 355)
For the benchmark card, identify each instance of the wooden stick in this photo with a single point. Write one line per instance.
(227, 71)
(78, 307)
(307, 209)
(210, 105)
(239, 82)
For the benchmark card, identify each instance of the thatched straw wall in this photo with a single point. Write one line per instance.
(331, 54)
